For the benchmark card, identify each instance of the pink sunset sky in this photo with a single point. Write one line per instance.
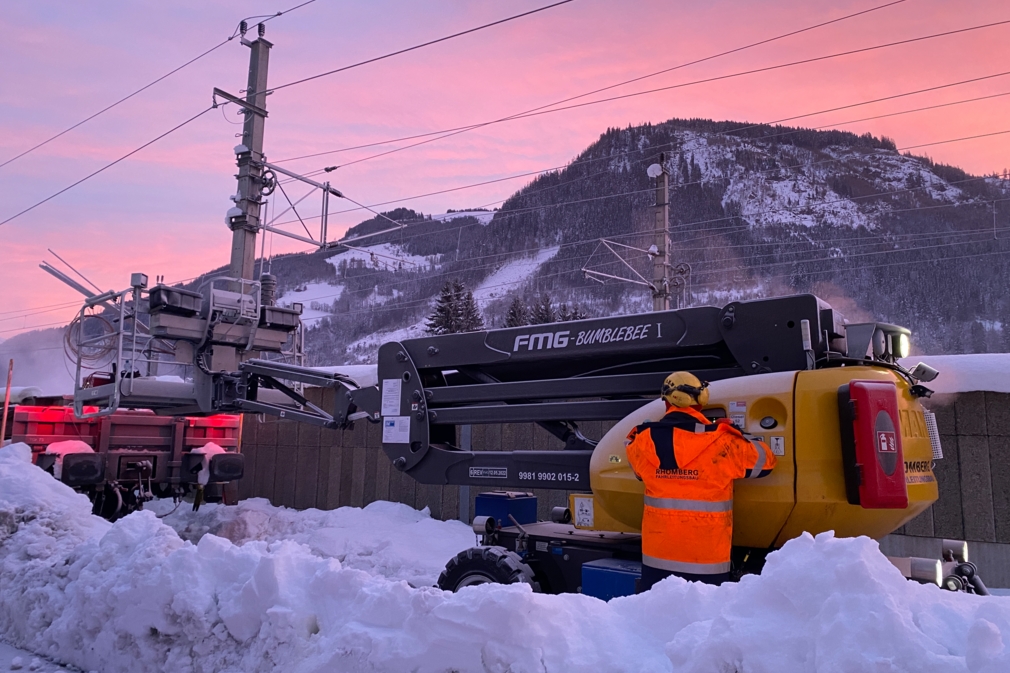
(162, 211)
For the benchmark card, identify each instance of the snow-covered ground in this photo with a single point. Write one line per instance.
(316, 299)
(14, 659)
(386, 256)
(511, 274)
(482, 216)
(258, 588)
(366, 348)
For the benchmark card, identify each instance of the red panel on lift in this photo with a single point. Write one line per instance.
(871, 445)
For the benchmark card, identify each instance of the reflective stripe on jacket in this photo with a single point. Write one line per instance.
(688, 465)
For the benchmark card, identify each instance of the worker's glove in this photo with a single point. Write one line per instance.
(728, 424)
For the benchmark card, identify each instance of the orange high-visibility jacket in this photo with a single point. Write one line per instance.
(688, 465)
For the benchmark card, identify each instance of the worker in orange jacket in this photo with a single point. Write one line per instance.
(688, 464)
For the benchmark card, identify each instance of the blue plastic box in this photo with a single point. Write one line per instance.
(608, 578)
(499, 504)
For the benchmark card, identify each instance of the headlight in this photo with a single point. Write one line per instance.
(902, 346)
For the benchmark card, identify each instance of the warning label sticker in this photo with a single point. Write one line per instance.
(584, 515)
(778, 446)
(738, 414)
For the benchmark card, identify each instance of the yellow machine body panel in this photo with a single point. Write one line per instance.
(821, 504)
(806, 491)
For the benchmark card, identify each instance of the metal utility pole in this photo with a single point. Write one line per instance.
(660, 249)
(7, 400)
(249, 154)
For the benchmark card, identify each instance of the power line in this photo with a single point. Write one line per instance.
(41, 311)
(32, 327)
(607, 88)
(595, 239)
(504, 214)
(733, 217)
(706, 80)
(421, 302)
(150, 84)
(417, 46)
(654, 148)
(33, 308)
(513, 212)
(889, 114)
(108, 165)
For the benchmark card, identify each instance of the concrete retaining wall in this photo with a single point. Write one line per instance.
(974, 482)
(297, 465)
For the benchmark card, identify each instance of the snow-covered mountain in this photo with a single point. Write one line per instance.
(755, 211)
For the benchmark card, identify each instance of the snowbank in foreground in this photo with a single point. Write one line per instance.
(384, 538)
(134, 596)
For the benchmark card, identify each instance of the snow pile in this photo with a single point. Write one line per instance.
(60, 449)
(208, 451)
(966, 373)
(20, 393)
(134, 596)
(364, 375)
(384, 538)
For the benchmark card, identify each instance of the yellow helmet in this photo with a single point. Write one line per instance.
(684, 389)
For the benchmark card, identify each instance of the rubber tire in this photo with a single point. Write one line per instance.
(484, 565)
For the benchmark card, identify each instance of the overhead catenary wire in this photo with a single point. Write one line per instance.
(619, 84)
(416, 46)
(685, 225)
(502, 214)
(690, 83)
(984, 231)
(636, 234)
(735, 217)
(743, 128)
(724, 133)
(150, 84)
(427, 301)
(913, 146)
(108, 165)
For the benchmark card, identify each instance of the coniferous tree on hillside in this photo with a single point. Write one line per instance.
(518, 315)
(470, 319)
(455, 311)
(444, 319)
(543, 311)
(574, 313)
